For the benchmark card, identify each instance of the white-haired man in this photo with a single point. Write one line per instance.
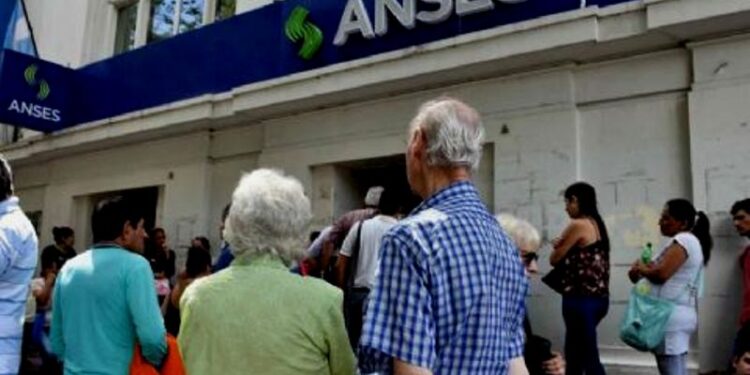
(18, 257)
(449, 296)
(256, 317)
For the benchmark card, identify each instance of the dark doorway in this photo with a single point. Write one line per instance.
(146, 200)
(389, 172)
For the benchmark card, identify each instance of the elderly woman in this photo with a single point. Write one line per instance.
(256, 317)
(537, 355)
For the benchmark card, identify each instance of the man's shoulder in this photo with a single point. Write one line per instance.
(426, 218)
(439, 219)
(15, 226)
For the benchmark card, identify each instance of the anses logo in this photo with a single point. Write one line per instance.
(298, 27)
(41, 85)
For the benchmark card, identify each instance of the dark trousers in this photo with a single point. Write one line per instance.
(355, 303)
(582, 315)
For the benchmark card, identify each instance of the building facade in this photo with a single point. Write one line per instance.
(646, 100)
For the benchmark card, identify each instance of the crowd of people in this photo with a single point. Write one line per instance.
(438, 289)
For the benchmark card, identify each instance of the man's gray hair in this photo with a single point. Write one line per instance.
(269, 215)
(453, 131)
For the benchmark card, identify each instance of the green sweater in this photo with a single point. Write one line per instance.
(256, 317)
(103, 302)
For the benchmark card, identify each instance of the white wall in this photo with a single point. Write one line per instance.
(248, 5)
(178, 164)
(719, 138)
(60, 29)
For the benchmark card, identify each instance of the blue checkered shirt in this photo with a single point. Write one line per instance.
(449, 294)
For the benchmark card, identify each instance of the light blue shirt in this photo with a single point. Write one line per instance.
(18, 256)
(104, 301)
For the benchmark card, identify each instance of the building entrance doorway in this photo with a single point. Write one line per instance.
(146, 199)
(353, 179)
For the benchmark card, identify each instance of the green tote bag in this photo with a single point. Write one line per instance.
(646, 318)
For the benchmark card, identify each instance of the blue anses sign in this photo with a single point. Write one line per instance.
(271, 42)
(34, 93)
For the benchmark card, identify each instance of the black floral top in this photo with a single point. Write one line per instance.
(586, 271)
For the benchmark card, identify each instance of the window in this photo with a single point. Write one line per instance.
(126, 20)
(141, 22)
(191, 15)
(225, 9)
(171, 17)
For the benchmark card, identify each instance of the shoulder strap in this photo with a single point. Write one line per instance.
(351, 267)
(692, 287)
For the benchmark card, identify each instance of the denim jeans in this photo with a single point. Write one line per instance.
(672, 364)
(582, 315)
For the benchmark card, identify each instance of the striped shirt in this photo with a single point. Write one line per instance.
(449, 295)
(18, 257)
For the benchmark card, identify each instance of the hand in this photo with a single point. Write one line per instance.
(556, 241)
(50, 278)
(635, 274)
(555, 366)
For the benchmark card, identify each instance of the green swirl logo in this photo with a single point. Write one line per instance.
(298, 27)
(30, 75)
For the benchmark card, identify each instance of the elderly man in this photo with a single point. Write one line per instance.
(256, 317)
(449, 296)
(18, 256)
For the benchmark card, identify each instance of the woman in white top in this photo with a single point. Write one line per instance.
(674, 275)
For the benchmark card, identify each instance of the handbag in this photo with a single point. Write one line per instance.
(644, 325)
(554, 279)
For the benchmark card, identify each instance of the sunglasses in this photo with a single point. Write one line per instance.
(530, 257)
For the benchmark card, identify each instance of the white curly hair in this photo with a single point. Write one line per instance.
(523, 234)
(269, 215)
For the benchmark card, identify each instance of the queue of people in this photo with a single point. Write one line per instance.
(439, 289)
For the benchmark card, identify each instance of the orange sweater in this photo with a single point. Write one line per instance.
(172, 364)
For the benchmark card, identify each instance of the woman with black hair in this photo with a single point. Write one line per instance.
(581, 259)
(198, 265)
(54, 256)
(674, 275)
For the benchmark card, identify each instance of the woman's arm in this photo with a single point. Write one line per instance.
(183, 281)
(658, 273)
(44, 295)
(571, 236)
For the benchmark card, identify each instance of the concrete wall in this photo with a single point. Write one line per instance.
(178, 165)
(248, 5)
(719, 136)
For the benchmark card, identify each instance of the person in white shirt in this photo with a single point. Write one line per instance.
(18, 258)
(675, 275)
(359, 258)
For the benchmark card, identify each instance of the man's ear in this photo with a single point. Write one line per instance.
(126, 229)
(419, 144)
